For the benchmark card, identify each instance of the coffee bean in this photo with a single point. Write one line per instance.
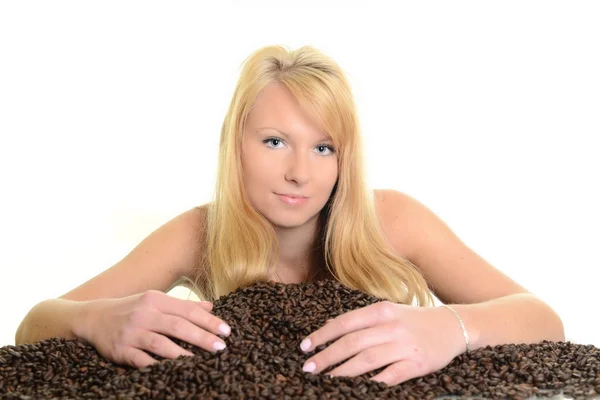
(263, 360)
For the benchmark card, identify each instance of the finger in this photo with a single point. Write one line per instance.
(368, 360)
(399, 372)
(348, 346)
(181, 328)
(137, 358)
(160, 345)
(194, 313)
(354, 320)
(206, 305)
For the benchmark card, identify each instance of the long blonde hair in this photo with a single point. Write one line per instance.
(241, 244)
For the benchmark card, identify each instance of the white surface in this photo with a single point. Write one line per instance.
(488, 113)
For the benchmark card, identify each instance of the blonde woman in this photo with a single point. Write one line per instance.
(291, 205)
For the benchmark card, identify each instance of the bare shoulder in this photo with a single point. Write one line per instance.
(456, 273)
(158, 262)
(195, 239)
(391, 206)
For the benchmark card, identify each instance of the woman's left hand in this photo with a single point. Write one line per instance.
(411, 341)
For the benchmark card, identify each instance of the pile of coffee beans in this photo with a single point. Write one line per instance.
(262, 360)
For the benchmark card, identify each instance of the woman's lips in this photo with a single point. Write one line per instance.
(294, 201)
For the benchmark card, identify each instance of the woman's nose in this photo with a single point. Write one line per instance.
(298, 169)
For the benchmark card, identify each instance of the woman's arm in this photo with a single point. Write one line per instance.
(53, 318)
(517, 318)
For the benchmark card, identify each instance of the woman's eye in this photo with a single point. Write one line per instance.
(327, 147)
(273, 140)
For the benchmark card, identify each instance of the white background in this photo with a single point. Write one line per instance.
(488, 113)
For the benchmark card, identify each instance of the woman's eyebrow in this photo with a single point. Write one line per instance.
(322, 139)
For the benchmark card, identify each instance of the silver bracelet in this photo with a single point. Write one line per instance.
(465, 334)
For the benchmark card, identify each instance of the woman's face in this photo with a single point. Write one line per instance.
(283, 151)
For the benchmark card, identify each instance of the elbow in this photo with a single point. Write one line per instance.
(22, 333)
(549, 323)
(556, 328)
(19, 335)
(560, 329)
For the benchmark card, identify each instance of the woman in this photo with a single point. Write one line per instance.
(291, 205)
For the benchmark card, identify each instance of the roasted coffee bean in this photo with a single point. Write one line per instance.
(263, 360)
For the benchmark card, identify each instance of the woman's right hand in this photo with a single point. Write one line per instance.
(121, 328)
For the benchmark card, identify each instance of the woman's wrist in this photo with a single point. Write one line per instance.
(83, 316)
(462, 326)
(452, 331)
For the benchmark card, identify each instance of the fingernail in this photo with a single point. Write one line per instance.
(309, 367)
(305, 344)
(225, 329)
(218, 346)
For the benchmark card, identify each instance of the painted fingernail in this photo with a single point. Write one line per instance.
(309, 367)
(218, 346)
(305, 344)
(225, 329)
